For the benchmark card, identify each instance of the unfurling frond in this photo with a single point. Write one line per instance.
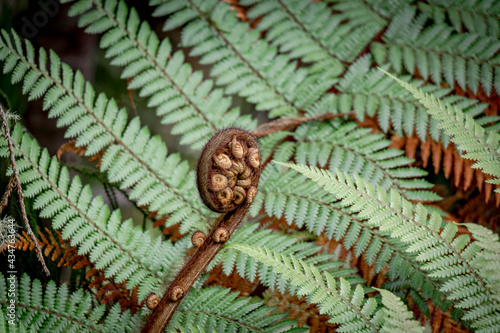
(124, 252)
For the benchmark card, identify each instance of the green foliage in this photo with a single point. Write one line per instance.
(218, 310)
(250, 268)
(349, 308)
(181, 96)
(310, 32)
(125, 252)
(488, 261)
(468, 135)
(57, 309)
(440, 53)
(291, 58)
(241, 61)
(444, 254)
(162, 181)
(398, 318)
(370, 93)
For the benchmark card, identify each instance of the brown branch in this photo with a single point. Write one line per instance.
(20, 193)
(228, 174)
(287, 123)
(6, 194)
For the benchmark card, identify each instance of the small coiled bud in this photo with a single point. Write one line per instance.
(237, 148)
(219, 182)
(239, 195)
(198, 239)
(221, 235)
(225, 196)
(176, 293)
(254, 157)
(223, 161)
(152, 301)
(244, 182)
(252, 191)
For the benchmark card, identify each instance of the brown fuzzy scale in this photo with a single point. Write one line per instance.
(198, 239)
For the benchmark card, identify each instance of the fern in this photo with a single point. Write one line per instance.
(370, 93)
(124, 252)
(217, 310)
(308, 30)
(56, 309)
(288, 195)
(160, 181)
(488, 262)
(440, 53)
(343, 146)
(350, 309)
(242, 62)
(398, 318)
(481, 17)
(250, 268)
(465, 132)
(445, 254)
(181, 96)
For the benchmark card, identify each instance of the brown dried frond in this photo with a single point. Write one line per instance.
(70, 147)
(455, 168)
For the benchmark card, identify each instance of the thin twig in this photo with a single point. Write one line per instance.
(20, 191)
(6, 194)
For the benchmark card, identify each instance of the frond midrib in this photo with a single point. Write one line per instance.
(115, 138)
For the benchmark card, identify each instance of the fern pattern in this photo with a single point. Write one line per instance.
(56, 309)
(244, 68)
(181, 96)
(439, 53)
(161, 181)
(311, 65)
(125, 252)
(446, 254)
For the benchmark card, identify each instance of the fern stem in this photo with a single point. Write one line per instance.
(192, 270)
(228, 159)
(20, 193)
(156, 64)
